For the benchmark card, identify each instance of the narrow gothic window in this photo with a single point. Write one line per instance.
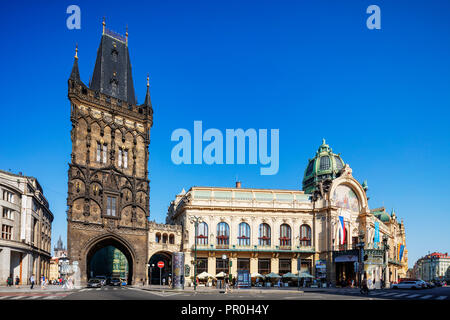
(99, 149)
(105, 149)
(120, 158)
(111, 207)
(125, 159)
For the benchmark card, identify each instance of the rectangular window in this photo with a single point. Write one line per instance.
(105, 149)
(120, 158)
(8, 213)
(221, 265)
(111, 206)
(243, 264)
(202, 265)
(263, 266)
(284, 266)
(125, 159)
(8, 196)
(6, 232)
(99, 150)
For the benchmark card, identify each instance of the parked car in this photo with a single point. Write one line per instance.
(115, 282)
(430, 284)
(94, 283)
(102, 279)
(423, 284)
(407, 285)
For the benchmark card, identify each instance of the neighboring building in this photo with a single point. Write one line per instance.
(26, 226)
(271, 230)
(59, 258)
(108, 186)
(434, 266)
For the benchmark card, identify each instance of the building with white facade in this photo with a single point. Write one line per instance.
(432, 267)
(26, 224)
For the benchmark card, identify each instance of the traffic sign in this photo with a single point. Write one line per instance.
(160, 264)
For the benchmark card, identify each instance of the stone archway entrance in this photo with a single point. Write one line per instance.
(110, 258)
(154, 273)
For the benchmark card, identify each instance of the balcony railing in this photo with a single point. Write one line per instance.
(204, 247)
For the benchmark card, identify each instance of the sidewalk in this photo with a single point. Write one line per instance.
(37, 288)
(216, 290)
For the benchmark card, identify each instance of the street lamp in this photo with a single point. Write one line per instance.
(386, 260)
(195, 220)
(361, 255)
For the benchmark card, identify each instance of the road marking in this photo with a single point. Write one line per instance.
(17, 297)
(114, 288)
(389, 294)
(376, 293)
(98, 289)
(49, 297)
(441, 298)
(400, 295)
(33, 297)
(413, 296)
(3, 297)
(83, 290)
(427, 296)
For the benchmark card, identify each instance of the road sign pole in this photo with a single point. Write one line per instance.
(160, 276)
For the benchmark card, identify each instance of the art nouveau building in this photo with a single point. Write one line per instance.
(272, 230)
(26, 225)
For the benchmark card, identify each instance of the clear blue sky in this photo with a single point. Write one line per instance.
(311, 69)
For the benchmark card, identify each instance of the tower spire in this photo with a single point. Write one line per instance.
(104, 24)
(75, 74)
(147, 101)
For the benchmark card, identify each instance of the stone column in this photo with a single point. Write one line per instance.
(233, 269)
(212, 265)
(274, 265)
(5, 264)
(294, 265)
(253, 265)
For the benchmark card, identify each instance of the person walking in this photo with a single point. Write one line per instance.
(364, 288)
(17, 281)
(9, 281)
(32, 281)
(43, 282)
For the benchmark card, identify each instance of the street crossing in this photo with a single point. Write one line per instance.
(22, 296)
(387, 294)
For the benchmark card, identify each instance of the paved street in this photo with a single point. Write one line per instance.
(139, 293)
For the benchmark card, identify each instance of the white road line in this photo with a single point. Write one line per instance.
(33, 297)
(413, 296)
(376, 293)
(50, 297)
(400, 295)
(3, 297)
(98, 289)
(83, 290)
(427, 296)
(388, 294)
(18, 297)
(441, 298)
(114, 288)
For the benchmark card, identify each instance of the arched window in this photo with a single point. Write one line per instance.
(171, 239)
(305, 235)
(244, 234)
(223, 234)
(264, 234)
(202, 233)
(158, 237)
(285, 235)
(165, 238)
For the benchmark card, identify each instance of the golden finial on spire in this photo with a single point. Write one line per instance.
(148, 81)
(76, 51)
(104, 24)
(126, 36)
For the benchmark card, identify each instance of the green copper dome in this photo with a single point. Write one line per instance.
(324, 165)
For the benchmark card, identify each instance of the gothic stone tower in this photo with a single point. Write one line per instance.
(108, 188)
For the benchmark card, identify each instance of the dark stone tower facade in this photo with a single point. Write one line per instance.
(108, 186)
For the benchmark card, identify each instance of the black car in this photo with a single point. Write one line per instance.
(115, 282)
(94, 283)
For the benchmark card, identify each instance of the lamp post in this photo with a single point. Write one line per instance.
(195, 220)
(361, 255)
(386, 260)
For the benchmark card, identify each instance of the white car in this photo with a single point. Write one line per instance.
(407, 285)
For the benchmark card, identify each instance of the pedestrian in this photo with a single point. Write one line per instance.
(43, 282)
(17, 281)
(32, 281)
(9, 281)
(369, 284)
(169, 281)
(164, 281)
(364, 288)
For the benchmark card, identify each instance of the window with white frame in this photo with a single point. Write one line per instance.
(123, 158)
(6, 232)
(8, 214)
(244, 234)
(111, 207)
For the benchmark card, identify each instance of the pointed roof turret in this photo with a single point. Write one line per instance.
(148, 101)
(75, 74)
(112, 72)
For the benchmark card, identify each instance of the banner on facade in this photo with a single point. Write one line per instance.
(341, 230)
(346, 258)
(402, 247)
(377, 235)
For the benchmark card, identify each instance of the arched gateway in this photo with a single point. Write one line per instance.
(108, 187)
